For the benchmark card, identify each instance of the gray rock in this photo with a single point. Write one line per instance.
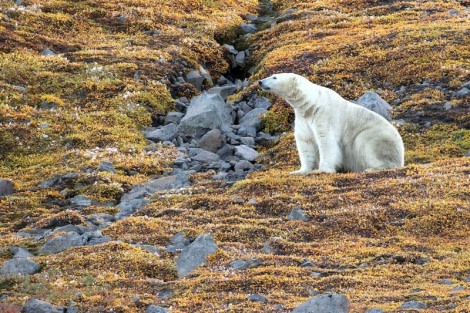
(240, 58)
(6, 187)
(223, 91)
(79, 229)
(48, 52)
(257, 298)
(195, 254)
(196, 79)
(446, 281)
(156, 309)
(19, 252)
(243, 165)
(206, 76)
(462, 93)
(297, 214)
(243, 265)
(173, 117)
(375, 103)
(48, 105)
(458, 288)
(164, 133)
(81, 201)
(106, 166)
(20, 265)
(453, 12)
(413, 305)
(151, 249)
(37, 234)
(333, 303)
(100, 218)
(246, 153)
(206, 157)
(261, 102)
(212, 140)
(206, 111)
(129, 207)
(467, 280)
(230, 49)
(71, 307)
(246, 130)
(96, 238)
(178, 242)
(38, 306)
(57, 179)
(374, 310)
(248, 28)
(61, 243)
(252, 118)
(20, 88)
(249, 141)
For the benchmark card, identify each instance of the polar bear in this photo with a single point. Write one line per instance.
(333, 134)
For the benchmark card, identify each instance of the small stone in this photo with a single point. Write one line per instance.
(375, 311)
(206, 157)
(325, 303)
(48, 52)
(106, 166)
(243, 165)
(248, 28)
(307, 263)
(239, 265)
(81, 201)
(261, 102)
(447, 106)
(297, 214)
(257, 298)
(127, 208)
(156, 309)
(447, 281)
(458, 288)
(462, 93)
(453, 12)
(223, 91)
(422, 261)
(6, 187)
(196, 79)
(61, 243)
(253, 202)
(252, 118)
(237, 199)
(151, 249)
(413, 305)
(246, 153)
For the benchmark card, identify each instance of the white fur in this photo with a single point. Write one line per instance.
(333, 134)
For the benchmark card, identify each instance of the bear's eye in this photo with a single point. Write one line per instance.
(274, 77)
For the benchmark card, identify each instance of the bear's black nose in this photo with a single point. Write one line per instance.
(260, 83)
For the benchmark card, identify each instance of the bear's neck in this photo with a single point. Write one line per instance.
(302, 103)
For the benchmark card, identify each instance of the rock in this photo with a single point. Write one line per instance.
(61, 243)
(79, 229)
(48, 105)
(223, 91)
(195, 254)
(48, 52)
(95, 238)
(196, 79)
(38, 306)
(413, 305)
(100, 218)
(332, 303)
(246, 130)
(71, 307)
(375, 103)
(173, 118)
(243, 165)
(462, 93)
(129, 207)
(257, 298)
(19, 264)
(178, 242)
(151, 249)
(37, 234)
(467, 280)
(248, 28)
(206, 157)
(453, 12)
(297, 214)
(447, 281)
(243, 265)
(206, 111)
(249, 141)
(375, 311)
(212, 140)
(240, 58)
(206, 76)
(106, 166)
(252, 118)
(81, 201)
(458, 288)
(164, 133)
(57, 179)
(230, 49)
(6, 187)
(260, 103)
(246, 153)
(156, 309)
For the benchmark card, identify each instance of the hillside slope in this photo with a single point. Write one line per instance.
(80, 80)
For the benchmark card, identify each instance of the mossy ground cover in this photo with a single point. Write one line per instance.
(381, 238)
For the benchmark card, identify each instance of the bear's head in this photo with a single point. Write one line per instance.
(282, 85)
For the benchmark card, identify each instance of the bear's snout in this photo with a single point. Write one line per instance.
(263, 86)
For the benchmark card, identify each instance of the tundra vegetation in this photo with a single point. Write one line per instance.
(79, 80)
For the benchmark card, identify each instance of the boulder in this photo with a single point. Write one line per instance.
(415, 305)
(195, 254)
(164, 133)
(297, 214)
(252, 118)
(375, 103)
(206, 157)
(38, 306)
(206, 111)
(223, 91)
(129, 207)
(6, 187)
(156, 309)
(196, 79)
(173, 117)
(106, 166)
(330, 303)
(61, 243)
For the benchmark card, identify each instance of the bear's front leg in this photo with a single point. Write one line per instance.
(308, 153)
(329, 153)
